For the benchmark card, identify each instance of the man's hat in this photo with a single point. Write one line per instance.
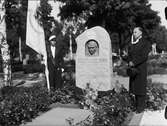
(52, 38)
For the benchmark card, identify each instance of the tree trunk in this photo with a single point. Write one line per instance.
(4, 48)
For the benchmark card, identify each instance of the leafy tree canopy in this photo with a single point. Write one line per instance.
(115, 15)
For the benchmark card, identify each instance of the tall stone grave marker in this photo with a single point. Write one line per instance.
(94, 59)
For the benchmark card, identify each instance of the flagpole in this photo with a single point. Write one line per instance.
(47, 73)
(20, 52)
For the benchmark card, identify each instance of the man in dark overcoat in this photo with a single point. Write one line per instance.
(137, 58)
(55, 61)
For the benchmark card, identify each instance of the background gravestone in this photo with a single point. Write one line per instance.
(96, 68)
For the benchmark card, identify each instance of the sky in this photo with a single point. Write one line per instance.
(55, 9)
(159, 5)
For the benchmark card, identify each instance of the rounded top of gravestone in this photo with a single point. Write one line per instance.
(91, 34)
(96, 33)
(103, 43)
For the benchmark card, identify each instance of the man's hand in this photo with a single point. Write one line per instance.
(131, 64)
(124, 53)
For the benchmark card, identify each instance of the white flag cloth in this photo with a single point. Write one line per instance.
(35, 37)
(35, 34)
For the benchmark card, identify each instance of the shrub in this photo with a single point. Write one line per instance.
(155, 70)
(157, 65)
(112, 109)
(22, 104)
(68, 94)
(156, 96)
(153, 57)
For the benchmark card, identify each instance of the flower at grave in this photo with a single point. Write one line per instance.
(90, 96)
(151, 97)
(70, 121)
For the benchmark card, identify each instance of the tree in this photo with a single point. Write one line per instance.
(70, 27)
(16, 15)
(5, 52)
(159, 36)
(50, 25)
(115, 15)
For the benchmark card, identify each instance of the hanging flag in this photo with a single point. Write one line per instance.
(35, 37)
(35, 34)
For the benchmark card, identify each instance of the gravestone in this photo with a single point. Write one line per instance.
(94, 60)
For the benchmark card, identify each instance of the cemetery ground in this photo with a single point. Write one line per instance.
(28, 101)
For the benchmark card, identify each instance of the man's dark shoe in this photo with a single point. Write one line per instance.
(138, 112)
(166, 112)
